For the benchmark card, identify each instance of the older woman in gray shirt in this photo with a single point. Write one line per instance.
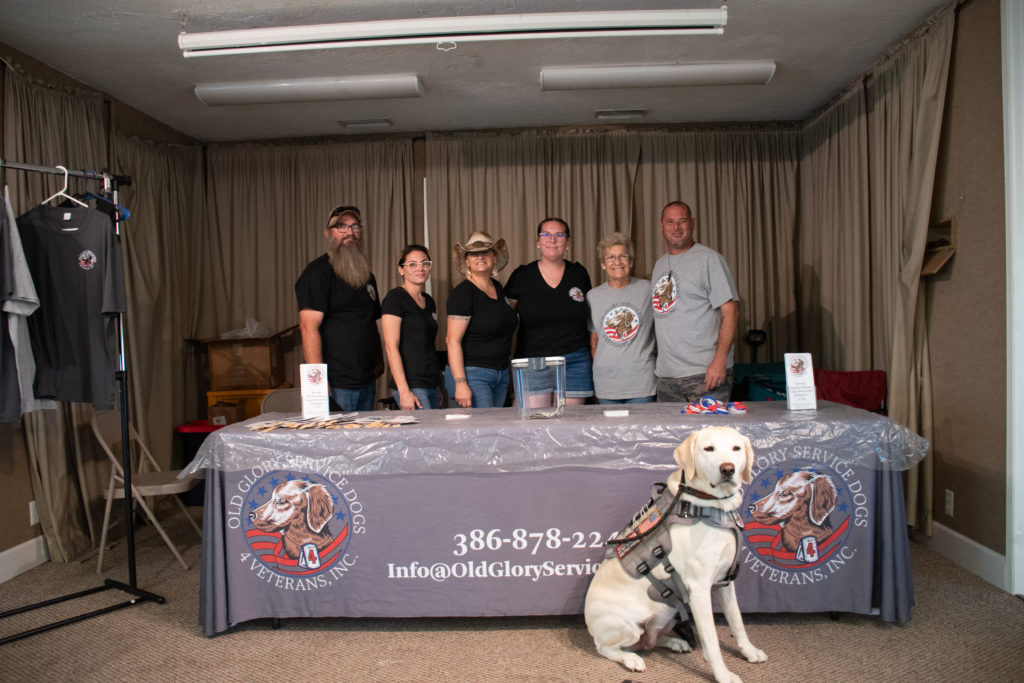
(621, 328)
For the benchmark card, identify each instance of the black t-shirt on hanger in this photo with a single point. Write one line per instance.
(75, 260)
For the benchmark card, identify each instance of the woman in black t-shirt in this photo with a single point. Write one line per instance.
(550, 296)
(480, 325)
(409, 323)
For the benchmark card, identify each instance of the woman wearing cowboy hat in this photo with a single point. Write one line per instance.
(480, 325)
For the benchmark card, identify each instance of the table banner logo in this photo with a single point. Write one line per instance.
(799, 512)
(297, 526)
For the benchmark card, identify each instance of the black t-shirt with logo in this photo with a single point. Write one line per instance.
(416, 338)
(488, 338)
(75, 260)
(552, 320)
(349, 338)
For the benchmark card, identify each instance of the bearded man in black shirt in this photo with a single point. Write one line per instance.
(338, 312)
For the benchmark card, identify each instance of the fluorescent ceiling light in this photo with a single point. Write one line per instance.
(364, 124)
(656, 76)
(443, 29)
(620, 114)
(310, 89)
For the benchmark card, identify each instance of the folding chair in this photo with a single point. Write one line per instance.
(148, 481)
(282, 401)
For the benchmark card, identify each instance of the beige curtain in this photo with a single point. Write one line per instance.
(160, 244)
(742, 188)
(867, 177)
(505, 185)
(833, 248)
(49, 126)
(906, 97)
(267, 208)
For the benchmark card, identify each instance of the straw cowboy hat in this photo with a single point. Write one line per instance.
(481, 241)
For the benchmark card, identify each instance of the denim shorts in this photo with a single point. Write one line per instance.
(579, 375)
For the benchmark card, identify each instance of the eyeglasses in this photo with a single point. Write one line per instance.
(612, 258)
(341, 227)
(552, 236)
(418, 264)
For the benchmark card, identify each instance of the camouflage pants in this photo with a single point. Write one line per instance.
(690, 389)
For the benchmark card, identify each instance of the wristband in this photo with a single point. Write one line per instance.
(460, 380)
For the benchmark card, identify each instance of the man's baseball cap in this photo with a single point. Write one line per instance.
(342, 210)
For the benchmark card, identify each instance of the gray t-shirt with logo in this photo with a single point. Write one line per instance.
(623, 321)
(687, 291)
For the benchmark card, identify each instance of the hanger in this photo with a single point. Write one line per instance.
(63, 192)
(123, 213)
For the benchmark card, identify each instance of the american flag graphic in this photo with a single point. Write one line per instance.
(766, 541)
(270, 550)
(648, 522)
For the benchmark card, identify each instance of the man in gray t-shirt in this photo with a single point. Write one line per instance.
(696, 311)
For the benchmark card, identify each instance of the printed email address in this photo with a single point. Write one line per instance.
(496, 569)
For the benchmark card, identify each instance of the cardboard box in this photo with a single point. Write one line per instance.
(246, 363)
(224, 413)
(250, 400)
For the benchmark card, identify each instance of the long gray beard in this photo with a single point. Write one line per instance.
(350, 263)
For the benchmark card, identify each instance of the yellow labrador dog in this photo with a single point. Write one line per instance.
(620, 614)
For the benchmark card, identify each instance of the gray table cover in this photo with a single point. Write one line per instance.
(495, 516)
(494, 440)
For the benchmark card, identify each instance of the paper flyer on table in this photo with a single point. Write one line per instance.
(316, 398)
(800, 392)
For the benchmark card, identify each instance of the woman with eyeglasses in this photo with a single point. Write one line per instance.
(621, 328)
(550, 295)
(409, 323)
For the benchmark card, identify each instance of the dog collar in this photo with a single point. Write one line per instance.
(701, 494)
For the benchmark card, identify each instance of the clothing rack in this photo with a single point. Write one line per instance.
(111, 184)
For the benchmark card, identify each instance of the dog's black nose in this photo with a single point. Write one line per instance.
(727, 469)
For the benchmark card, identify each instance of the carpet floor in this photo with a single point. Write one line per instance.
(962, 629)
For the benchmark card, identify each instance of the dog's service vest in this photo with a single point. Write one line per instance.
(645, 543)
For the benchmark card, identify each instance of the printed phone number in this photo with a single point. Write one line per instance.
(520, 539)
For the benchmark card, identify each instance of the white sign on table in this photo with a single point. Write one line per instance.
(800, 392)
(316, 397)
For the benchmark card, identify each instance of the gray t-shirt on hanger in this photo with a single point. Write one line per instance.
(624, 323)
(687, 291)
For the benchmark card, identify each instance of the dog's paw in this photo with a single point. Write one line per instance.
(674, 644)
(633, 662)
(728, 677)
(754, 654)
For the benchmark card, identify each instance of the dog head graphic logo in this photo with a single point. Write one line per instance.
(663, 294)
(621, 324)
(792, 525)
(290, 529)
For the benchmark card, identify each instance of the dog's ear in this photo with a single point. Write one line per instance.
(318, 507)
(748, 470)
(823, 498)
(686, 457)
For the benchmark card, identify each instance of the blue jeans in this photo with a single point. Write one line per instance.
(620, 401)
(352, 400)
(489, 386)
(429, 398)
(579, 377)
